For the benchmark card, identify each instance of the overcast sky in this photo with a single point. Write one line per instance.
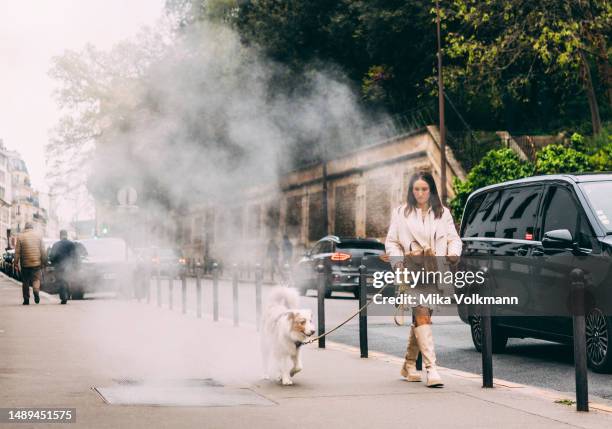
(31, 33)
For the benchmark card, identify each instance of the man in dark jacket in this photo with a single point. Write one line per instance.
(63, 257)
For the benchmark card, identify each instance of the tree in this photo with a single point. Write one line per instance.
(515, 49)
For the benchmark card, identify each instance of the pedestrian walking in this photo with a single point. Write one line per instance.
(64, 258)
(287, 250)
(30, 257)
(421, 229)
(272, 257)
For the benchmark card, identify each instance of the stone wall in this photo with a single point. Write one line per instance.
(363, 187)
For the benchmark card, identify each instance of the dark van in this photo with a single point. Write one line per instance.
(532, 235)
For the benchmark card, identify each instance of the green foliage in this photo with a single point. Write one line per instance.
(507, 65)
(578, 142)
(556, 158)
(496, 166)
(602, 159)
(373, 87)
(529, 58)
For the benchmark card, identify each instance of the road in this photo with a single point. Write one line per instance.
(534, 362)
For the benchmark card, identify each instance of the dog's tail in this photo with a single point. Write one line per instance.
(284, 296)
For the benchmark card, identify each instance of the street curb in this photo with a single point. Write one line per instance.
(523, 388)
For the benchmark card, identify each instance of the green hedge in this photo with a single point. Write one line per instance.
(500, 165)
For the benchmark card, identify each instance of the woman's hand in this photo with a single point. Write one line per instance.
(453, 259)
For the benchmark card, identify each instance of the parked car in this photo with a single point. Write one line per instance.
(530, 234)
(167, 260)
(106, 264)
(340, 257)
(7, 264)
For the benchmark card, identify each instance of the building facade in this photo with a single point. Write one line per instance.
(363, 187)
(25, 204)
(5, 197)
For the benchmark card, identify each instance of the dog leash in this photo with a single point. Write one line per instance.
(312, 340)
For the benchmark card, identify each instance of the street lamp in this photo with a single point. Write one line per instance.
(441, 110)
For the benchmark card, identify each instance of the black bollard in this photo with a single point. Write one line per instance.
(287, 275)
(580, 356)
(363, 314)
(235, 292)
(487, 337)
(148, 283)
(215, 273)
(170, 291)
(184, 292)
(198, 293)
(321, 303)
(258, 281)
(158, 283)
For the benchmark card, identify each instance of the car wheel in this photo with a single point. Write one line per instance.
(500, 337)
(598, 331)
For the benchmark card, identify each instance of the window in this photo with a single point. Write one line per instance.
(517, 213)
(480, 215)
(321, 247)
(598, 194)
(469, 227)
(562, 212)
(326, 247)
(316, 249)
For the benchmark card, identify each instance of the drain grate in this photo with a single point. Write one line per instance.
(179, 393)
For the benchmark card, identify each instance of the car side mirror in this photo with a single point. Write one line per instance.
(558, 239)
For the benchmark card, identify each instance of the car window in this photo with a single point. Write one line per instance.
(316, 249)
(326, 247)
(518, 208)
(584, 236)
(598, 194)
(482, 224)
(561, 212)
(470, 228)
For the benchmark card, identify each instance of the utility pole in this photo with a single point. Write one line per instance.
(324, 202)
(443, 195)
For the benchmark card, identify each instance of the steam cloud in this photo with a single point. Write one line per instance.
(209, 118)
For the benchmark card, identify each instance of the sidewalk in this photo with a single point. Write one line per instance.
(73, 355)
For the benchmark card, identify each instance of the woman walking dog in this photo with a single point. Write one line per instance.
(422, 228)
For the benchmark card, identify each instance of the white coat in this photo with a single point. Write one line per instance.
(411, 233)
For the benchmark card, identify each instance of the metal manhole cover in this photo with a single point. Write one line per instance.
(179, 393)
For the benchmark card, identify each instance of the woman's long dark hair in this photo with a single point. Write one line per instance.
(434, 198)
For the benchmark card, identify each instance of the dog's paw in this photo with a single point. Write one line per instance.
(287, 382)
(295, 370)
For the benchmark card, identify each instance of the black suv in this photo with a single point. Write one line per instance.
(531, 234)
(340, 257)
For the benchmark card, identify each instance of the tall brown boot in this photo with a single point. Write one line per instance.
(424, 339)
(409, 370)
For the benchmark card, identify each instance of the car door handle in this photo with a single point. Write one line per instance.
(537, 252)
(522, 251)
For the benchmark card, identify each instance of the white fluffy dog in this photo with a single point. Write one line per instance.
(284, 328)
